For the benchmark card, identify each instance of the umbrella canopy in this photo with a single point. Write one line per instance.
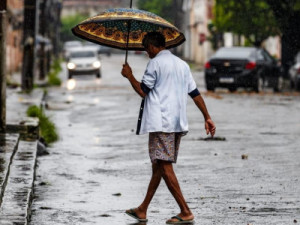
(113, 26)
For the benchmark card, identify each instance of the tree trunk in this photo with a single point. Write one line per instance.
(178, 18)
(30, 25)
(289, 23)
(290, 42)
(3, 67)
(42, 53)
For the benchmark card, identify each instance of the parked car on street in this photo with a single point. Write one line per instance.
(105, 50)
(249, 67)
(84, 61)
(92, 45)
(294, 73)
(68, 46)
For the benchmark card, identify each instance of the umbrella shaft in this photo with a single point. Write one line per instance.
(127, 43)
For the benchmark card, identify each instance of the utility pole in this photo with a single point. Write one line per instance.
(178, 19)
(3, 7)
(29, 53)
(57, 49)
(42, 53)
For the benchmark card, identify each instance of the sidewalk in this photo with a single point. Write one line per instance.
(18, 153)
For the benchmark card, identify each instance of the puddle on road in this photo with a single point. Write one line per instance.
(272, 133)
(100, 170)
(271, 211)
(68, 176)
(211, 139)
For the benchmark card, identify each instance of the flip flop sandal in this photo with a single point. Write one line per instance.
(135, 216)
(180, 221)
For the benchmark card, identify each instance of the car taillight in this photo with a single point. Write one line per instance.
(207, 65)
(298, 71)
(250, 65)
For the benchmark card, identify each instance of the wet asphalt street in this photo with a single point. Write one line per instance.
(99, 167)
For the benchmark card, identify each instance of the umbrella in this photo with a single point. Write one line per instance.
(113, 27)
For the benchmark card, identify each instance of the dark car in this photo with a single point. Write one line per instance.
(294, 73)
(105, 50)
(247, 67)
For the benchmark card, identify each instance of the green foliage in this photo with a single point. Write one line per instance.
(161, 8)
(12, 84)
(47, 127)
(33, 111)
(53, 79)
(252, 18)
(67, 23)
(56, 66)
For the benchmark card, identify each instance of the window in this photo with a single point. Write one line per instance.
(267, 56)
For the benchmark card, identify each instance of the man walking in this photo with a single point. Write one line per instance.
(164, 88)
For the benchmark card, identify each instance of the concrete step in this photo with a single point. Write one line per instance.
(17, 198)
(8, 147)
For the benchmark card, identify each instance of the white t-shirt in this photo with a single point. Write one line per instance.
(170, 81)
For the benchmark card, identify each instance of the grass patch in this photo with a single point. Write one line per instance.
(47, 127)
(53, 79)
(12, 84)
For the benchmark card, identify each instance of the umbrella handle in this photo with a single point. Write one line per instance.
(126, 56)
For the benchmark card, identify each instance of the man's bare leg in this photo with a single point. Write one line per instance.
(170, 178)
(141, 211)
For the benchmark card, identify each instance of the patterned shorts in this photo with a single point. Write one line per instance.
(164, 146)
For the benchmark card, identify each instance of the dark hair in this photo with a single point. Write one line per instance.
(156, 39)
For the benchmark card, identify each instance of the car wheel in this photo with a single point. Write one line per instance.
(279, 84)
(297, 86)
(292, 85)
(232, 89)
(210, 87)
(259, 85)
(98, 75)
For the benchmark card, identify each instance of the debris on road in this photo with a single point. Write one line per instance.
(244, 157)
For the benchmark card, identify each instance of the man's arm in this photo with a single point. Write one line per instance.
(127, 72)
(209, 124)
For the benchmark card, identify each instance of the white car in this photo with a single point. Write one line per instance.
(294, 73)
(68, 46)
(84, 61)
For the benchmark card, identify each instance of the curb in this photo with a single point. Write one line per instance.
(17, 199)
(18, 159)
(8, 147)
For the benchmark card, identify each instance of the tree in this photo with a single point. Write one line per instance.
(163, 9)
(3, 8)
(253, 19)
(68, 22)
(259, 19)
(29, 41)
(287, 16)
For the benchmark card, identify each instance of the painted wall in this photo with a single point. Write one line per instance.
(198, 14)
(14, 51)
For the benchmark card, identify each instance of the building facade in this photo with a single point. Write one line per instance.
(14, 53)
(91, 7)
(198, 14)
